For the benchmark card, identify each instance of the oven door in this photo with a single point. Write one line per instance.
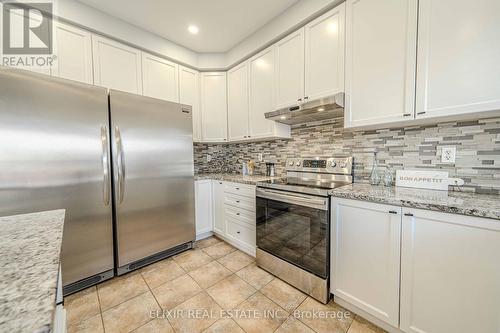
(295, 227)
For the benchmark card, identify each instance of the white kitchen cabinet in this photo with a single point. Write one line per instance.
(380, 61)
(289, 81)
(218, 204)
(213, 107)
(160, 78)
(261, 97)
(450, 273)
(324, 54)
(365, 256)
(73, 50)
(458, 71)
(237, 102)
(116, 66)
(203, 207)
(189, 93)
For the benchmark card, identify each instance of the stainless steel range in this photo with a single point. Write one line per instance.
(293, 222)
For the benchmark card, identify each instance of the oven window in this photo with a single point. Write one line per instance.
(297, 234)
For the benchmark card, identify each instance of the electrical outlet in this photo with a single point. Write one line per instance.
(448, 154)
(261, 158)
(209, 158)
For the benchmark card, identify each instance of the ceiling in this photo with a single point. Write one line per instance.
(222, 23)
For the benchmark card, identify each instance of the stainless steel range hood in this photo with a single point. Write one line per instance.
(320, 109)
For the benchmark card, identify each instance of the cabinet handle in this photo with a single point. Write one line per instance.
(423, 112)
(407, 115)
(238, 214)
(237, 188)
(307, 97)
(393, 212)
(220, 183)
(408, 214)
(237, 201)
(300, 99)
(237, 232)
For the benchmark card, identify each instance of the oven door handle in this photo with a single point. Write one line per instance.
(293, 198)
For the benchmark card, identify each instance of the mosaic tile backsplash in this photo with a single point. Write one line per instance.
(416, 147)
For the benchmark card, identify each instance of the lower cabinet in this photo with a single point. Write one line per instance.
(414, 270)
(219, 224)
(228, 210)
(203, 208)
(450, 273)
(365, 254)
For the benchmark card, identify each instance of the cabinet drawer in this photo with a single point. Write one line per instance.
(240, 189)
(241, 215)
(240, 232)
(240, 202)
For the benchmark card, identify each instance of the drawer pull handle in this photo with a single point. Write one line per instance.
(393, 212)
(408, 214)
(237, 201)
(237, 232)
(238, 214)
(220, 183)
(237, 188)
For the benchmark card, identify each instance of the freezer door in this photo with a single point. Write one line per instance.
(54, 154)
(153, 175)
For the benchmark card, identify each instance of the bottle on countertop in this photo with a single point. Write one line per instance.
(375, 174)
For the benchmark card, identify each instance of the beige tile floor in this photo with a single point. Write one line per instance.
(212, 288)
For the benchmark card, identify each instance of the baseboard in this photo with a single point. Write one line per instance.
(204, 235)
(366, 315)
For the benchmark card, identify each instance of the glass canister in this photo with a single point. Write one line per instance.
(375, 177)
(388, 179)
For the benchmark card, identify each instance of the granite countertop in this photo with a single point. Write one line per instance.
(30, 246)
(234, 177)
(464, 203)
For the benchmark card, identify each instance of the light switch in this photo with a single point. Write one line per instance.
(448, 154)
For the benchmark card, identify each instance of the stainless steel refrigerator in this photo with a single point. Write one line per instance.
(120, 164)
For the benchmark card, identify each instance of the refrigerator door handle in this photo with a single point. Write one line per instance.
(105, 164)
(121, 165)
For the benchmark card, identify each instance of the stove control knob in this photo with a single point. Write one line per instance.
(290, 163)
(333, 164)
(297, 163)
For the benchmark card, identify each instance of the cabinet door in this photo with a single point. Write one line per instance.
(366, 256)
(290, 70)
(450, 273)
(116, 65)
(380, 61)
(324, 54)
(261, 93)
(458, 52)
(203, 206)
(237, 102)
(213, 107)
(159, 78)
(73, 48)
(189, 93)
(218, 203)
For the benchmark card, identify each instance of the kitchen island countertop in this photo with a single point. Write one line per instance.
(30, 246)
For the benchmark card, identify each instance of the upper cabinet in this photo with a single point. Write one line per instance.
(116, 65)
(324, 54)
(213, 107)
(159, 78)
(189, 93)
(237, 102)
(458, 69)
(73, 50)
(289, 82)
(261, 69)
(380, 61)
